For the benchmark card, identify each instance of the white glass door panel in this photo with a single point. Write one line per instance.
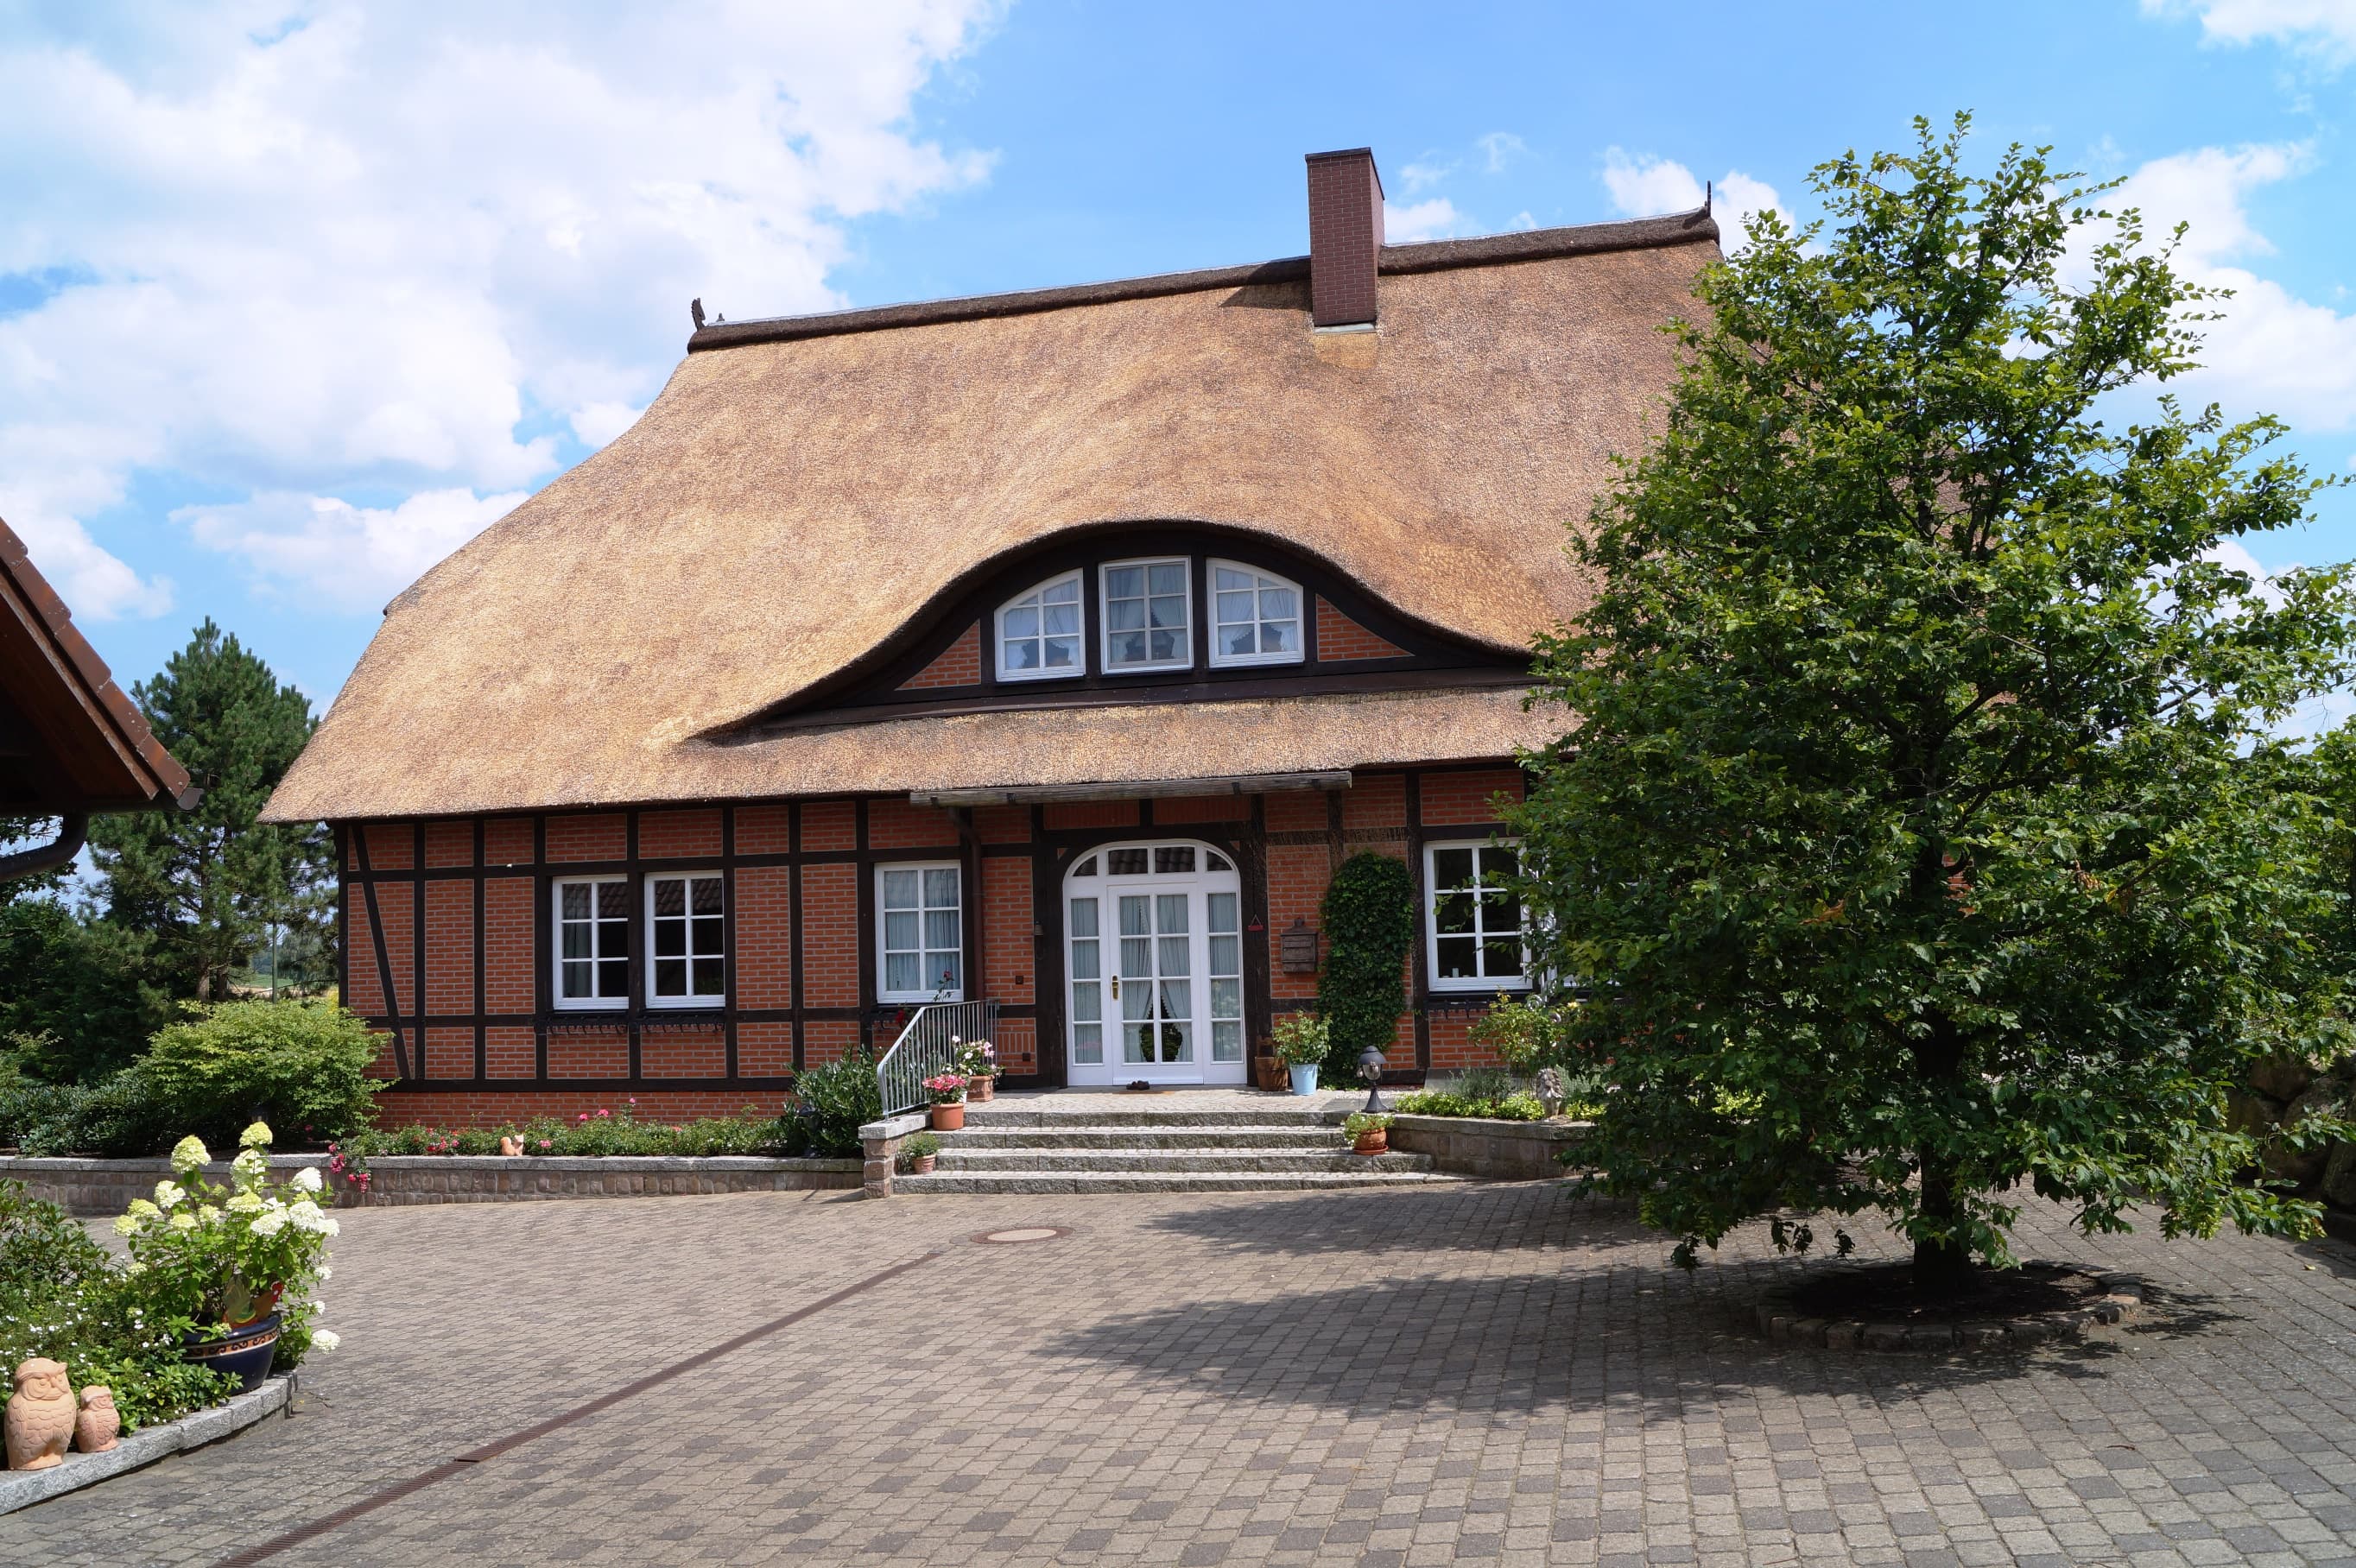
(1154, 967)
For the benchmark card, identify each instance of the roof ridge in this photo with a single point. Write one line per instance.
(1426, 256)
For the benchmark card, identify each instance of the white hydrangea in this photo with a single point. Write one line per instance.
(245, 1203)
(325, 1340)
(269, 1223)
(308, 1216)
(250, 1163)
(256, 1136)
(126, 1225)
(168, 1194)
(184, 1221)
(307, 1180)
(189, 1154)
(324, 1271)
(142, 1210)
(208, 1215)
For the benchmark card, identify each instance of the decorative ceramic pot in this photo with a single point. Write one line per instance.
(981, 1088)
(1304, 1078)
(244, 1353)
(949, 1118)
(922, 1164)
(1374, 1140)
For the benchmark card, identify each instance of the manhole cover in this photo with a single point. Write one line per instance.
(1024, 1233)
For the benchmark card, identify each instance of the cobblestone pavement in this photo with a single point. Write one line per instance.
(1494, 1373)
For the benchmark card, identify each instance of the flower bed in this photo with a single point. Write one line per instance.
(204, 1259)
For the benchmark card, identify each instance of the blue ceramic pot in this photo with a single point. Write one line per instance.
(1304, 1078)
(244, 1353)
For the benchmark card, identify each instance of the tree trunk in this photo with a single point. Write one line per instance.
(1943, 1269)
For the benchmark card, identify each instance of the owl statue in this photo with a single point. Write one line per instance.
(40, 1415)
(95, 1427)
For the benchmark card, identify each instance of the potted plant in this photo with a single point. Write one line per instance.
(220, 1261)
(948, 1090)
(919, 1152)
(978, 1060)
(1301, 1043)
(1370, 1133)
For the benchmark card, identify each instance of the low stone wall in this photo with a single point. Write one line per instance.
(104, 1186)
(1476, 1145)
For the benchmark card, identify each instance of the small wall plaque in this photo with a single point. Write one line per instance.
(1296, 949)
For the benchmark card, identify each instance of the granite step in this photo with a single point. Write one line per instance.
(961, 1161)
(1074, 1181)
(994, 1114)
(1094, 1135)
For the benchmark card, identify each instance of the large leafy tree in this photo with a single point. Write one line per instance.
(209, 883)
(1921, 836)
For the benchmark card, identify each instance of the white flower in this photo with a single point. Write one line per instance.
(135, 1267)
(319, 1309)
(189, 1154)
(307, 1180)
(168, 1194)
(325, 1340)
(324, 1271)
(306, 1216)
(270, 1223)
(184, 1221)
(207, 1214)
(256, 1136)
(126, 1226)
(142, 1210)
(251, 1163)
(245, 1203)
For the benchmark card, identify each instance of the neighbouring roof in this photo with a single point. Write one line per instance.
(805, 489)
(70, 739)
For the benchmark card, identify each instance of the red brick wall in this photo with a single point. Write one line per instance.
(509, 1051)
(764, 829)
(1202, 808)
(586, 837)
(1375, 801)
(450, 843)
(831, 935)
(765, 936)
(1295, 811)
(594, 1052)
(665, 1054)
(764, 1048)
(960, 664)
(824, 1040)
(1006, 918)
(1090, 814)
(896, 825)
(450, 1052)
(508, 943)
(1340, 639)
(1297, 875)
(450, 950)
(391, 846)
(1002, 823)
(507, 841)
(830, 825)
(1452, 1046)
(1454, 799)
(677, 835)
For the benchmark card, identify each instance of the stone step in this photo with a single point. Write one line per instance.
(1054, 1181)
(1099, 1136)
(991, 1114)
(962, 1160)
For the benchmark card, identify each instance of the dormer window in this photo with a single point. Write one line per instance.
(1039, 634)
(1255, 618)
(1148, 616)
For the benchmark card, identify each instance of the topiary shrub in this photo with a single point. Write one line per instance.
(300, 1066)
(1368, 914)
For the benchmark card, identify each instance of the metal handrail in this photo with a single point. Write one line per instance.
(928, 1047)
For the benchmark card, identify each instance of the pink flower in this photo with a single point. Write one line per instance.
(602, 1112)
(582, 1117)
(543, 1143)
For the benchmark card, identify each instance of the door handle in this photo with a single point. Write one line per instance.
(1116, 988)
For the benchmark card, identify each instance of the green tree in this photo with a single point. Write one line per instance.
(207, 883)
(1923, 840)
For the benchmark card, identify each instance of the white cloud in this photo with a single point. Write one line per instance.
(2325, 29)
(1421, 174)
(377, 247)
(1434, 219)
(1645, 186)
(2273, 352)
(1498, 147)
(353, 558)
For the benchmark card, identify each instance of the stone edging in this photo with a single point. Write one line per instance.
(1489, 1146)
(22, 1488)
(2124, 1296)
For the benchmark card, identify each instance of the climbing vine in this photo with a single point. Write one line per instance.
(1369, 919)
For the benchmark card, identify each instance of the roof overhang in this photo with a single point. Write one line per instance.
(70, 741)
(1154, 789)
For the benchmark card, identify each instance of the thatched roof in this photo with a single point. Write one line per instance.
(806, 490)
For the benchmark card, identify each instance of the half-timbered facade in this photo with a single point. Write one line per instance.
(1049, 648)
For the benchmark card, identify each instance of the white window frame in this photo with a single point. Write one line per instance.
(556, 997)
(884, 993)
(647, 959)
(1038, 590)
(1519, 981)
(1220, 660)
(1186, 565)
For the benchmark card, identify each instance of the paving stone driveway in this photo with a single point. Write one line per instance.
(1406, 1377)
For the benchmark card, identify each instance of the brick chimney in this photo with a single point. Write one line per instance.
(1346, 236)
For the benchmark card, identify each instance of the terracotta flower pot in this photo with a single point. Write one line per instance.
(981, 1088)
(1373, 1141)
(923, 1164)
(949, 1118)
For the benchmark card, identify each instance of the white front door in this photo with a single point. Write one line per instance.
(1154, 936)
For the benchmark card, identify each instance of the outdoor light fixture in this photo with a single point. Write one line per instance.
(1371, 1062)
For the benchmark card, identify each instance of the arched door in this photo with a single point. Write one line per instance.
(1154, 933)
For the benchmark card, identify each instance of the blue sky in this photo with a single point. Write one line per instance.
(296, 298)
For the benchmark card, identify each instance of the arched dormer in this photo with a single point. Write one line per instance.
(1111, 615)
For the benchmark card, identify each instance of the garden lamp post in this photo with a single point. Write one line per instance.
(1371, 1062)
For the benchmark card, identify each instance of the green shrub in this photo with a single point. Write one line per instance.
(1519, 1030)
(114, 1117)
(1510, 1107)
(299, 1066)
(1369, 918)
(834, 1101)
(1301, 1038)
(603, 1132)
